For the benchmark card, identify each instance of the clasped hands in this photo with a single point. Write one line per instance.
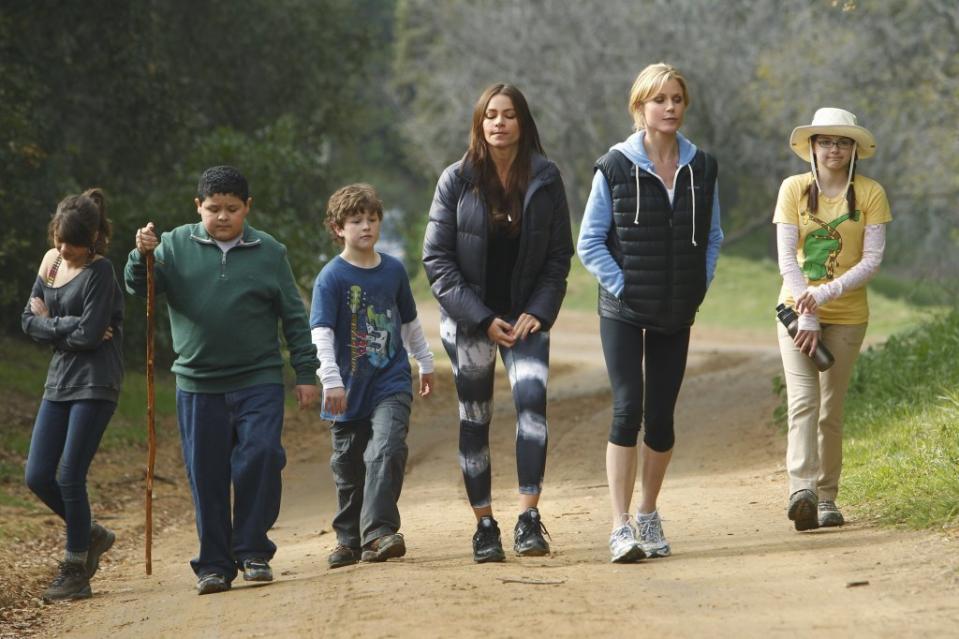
(505, 334)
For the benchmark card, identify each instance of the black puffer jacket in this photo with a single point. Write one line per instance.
(454, 250)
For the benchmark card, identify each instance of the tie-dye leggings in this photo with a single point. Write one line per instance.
(473, 357)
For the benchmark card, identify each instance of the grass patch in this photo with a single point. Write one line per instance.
(901, 444)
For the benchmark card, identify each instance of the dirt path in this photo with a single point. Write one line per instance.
(738, 567)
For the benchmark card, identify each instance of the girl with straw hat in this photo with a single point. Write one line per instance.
(830, 232)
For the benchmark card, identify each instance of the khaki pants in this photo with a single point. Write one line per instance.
(815, 405)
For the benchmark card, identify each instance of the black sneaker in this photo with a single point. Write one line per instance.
(486, 541)
(802, 510)
(528, 535)
(212, 583)
(101, 540)
(70, 583)
(343, 556)
(385, 547)
(257, 570)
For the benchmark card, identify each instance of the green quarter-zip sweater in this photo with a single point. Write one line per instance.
(225, 307)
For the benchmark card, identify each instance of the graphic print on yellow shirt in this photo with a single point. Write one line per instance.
(822, 246)
(830, 242)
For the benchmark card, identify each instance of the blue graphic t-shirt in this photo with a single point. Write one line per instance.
(366, 307)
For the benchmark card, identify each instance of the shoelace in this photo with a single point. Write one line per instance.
(624, 533)
(542, 528)
(651, 530)
(64, 570)
(486, 533)
(537, 525)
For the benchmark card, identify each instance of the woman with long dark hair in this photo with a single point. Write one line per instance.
(497, 252)
(77, 307)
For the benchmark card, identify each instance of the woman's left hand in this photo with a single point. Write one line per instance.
(38, 308)
(806, 303)
(525, 325)
(806, 341)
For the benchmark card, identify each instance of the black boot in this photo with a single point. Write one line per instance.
(101, 540)
(70, 583)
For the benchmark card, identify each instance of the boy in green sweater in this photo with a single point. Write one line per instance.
(226, 285)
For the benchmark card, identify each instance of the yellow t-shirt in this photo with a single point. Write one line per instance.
(830, 242)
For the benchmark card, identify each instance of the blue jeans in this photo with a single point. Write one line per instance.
(66, 435)
(368, 462)
(233, 437)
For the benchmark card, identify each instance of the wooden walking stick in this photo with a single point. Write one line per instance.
(151, 427)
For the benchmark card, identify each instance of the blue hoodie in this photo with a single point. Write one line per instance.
(598, 218)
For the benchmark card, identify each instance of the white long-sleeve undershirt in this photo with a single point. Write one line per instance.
(329, 373)
(787, 241)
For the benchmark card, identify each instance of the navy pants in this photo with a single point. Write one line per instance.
(65, 438)
(368, 462)
(638, 398)
(233, 438)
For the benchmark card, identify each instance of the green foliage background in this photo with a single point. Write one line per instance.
(140, 97)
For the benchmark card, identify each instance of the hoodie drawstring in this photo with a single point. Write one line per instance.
(692, 191)
(636, 219)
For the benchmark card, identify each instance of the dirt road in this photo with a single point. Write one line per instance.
(738, 568)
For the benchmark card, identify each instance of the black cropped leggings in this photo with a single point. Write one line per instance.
(626, 348)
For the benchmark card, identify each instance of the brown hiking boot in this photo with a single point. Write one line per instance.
(343, 556)
(385, 547)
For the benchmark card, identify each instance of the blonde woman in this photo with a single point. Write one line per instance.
(651, 236)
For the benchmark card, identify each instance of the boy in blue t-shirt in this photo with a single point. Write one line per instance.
(363, 322)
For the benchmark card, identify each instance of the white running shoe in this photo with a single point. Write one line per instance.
(623, 546)
(651, 537)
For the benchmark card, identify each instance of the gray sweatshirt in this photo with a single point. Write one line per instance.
(84, 365)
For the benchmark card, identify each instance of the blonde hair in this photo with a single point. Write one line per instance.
(649, 83)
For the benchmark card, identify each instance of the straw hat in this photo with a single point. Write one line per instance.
(829, 121)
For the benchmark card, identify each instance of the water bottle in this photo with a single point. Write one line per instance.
(821, 357)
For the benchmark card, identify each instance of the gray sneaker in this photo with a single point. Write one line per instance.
(257, 570)
(829, 514)
(623, 547)
(802, 510)
(651, 537)
(211, 583)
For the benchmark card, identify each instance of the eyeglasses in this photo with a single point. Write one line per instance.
(842, 143)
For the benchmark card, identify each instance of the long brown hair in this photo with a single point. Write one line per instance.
(81, 220)
(505, 204)
(813, 189)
